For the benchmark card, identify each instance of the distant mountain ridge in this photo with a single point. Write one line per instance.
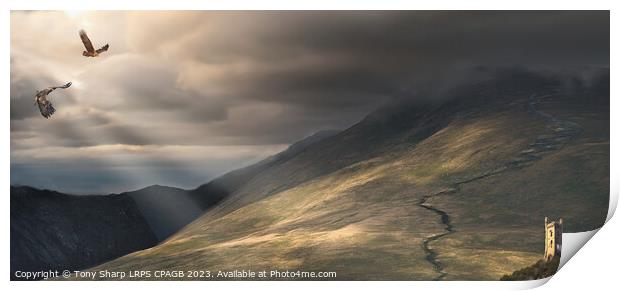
(451, 189)
(55, 231)
(52, 230)
(168, 209)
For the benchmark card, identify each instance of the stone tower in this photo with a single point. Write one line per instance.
(553, 238)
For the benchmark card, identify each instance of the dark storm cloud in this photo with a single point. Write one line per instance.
(335, 59)
(22, 99)
(196, 66)
(259, 79)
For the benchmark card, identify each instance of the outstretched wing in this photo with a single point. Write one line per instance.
(65, 86)
(86, 41)
(103, 48)
(45, 107)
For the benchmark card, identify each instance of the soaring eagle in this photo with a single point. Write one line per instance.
(45, 106)
(90, 50)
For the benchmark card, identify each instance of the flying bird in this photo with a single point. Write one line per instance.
(90, 50)
(45, 106)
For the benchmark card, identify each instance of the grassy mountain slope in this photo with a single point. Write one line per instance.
(419, 192)
(168, 209)
(570, 180)
(51, 230)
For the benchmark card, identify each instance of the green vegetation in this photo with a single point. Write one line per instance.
(540, 270)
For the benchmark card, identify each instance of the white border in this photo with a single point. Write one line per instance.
(595, 263)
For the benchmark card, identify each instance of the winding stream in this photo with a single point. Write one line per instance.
(560, 133)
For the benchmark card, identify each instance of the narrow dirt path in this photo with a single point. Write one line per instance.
(560, 132)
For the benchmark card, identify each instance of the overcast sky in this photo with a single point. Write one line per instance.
(182, 97)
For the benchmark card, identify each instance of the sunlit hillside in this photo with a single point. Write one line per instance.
(452, 190)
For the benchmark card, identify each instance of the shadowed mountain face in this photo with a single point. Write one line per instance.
(51, 230)
(450, 190)
(55, 231)
(168, 209)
